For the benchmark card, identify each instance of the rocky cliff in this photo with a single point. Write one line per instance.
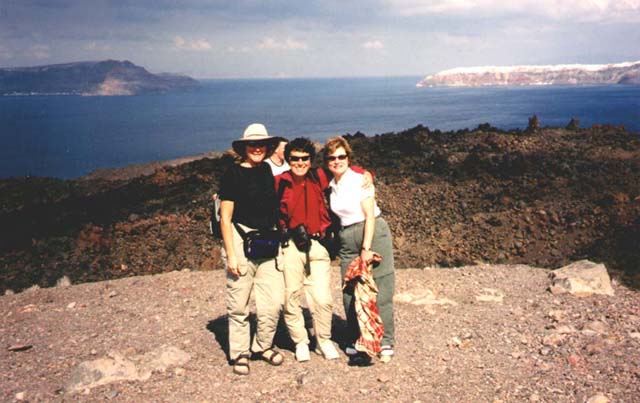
(575, 74)
(110, 77)
(543, 197)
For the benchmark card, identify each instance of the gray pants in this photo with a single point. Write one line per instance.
(383, 275)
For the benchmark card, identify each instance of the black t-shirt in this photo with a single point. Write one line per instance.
(253, 192)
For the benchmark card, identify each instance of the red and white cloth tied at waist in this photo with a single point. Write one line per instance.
(365, 292)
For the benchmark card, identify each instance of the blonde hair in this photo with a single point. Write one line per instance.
(334, 143)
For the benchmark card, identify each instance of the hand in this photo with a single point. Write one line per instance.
(366, 255)
(232, 266)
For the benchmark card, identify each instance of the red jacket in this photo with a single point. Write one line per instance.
(304, 203)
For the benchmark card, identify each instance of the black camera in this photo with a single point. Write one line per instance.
(301, 238)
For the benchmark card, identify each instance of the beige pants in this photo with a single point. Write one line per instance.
(317, 291)
(267, 283)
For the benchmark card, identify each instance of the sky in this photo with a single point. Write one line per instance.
(313, 38)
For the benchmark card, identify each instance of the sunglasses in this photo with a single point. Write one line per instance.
(255, 144)
(340, 157)
(294, 158)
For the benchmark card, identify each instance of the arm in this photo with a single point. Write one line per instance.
(367, 206)
(226, 227)
(367, 178)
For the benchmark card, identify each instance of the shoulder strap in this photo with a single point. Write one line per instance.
(282, 185)
(242, 233)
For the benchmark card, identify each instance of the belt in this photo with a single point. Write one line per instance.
(343, 227)
(317, 236)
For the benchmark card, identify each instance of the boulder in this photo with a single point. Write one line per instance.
(582, 279)
(118, 367)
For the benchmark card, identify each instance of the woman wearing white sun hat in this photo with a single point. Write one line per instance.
(249, 202)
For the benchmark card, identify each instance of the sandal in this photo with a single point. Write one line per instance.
(272, 356)
(241, 365)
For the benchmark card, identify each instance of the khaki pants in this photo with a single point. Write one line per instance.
(317, 291)
(267, 282)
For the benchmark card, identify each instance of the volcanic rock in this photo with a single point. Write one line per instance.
(581, 278)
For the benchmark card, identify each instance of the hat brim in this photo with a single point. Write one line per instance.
(239, 146)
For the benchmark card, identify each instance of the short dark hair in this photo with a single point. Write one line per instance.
(301, 144)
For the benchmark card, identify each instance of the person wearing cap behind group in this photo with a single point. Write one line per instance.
(249, 201)
(363, 232)
(276, 160)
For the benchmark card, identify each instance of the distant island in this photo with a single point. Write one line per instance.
(108, 77)
(565, 74)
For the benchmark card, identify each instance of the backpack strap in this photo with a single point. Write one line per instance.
(282, 186)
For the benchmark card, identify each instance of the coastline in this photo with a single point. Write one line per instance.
(542, 197)
(143, 169)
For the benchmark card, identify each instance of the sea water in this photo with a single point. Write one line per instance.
(69, 136)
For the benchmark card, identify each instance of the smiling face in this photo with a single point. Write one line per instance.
(338, 162)
(300, 162)
(255, 152)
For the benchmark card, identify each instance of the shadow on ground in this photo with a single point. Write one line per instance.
(220, 328)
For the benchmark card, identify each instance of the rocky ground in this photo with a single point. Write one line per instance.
(470, 334)
(487, 201)
(544, 197)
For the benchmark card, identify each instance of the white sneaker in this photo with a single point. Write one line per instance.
(328, 350)
(386, 354)
(302, 352)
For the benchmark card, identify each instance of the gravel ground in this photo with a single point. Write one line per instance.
(471, 334)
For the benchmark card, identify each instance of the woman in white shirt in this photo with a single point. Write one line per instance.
(276, 161)
(363, 231)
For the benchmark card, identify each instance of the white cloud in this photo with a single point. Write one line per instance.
(39, 52)
(179, 42)
(201, 44)
(196, 45)
(287, 44)
(374, 45)
(557, 9)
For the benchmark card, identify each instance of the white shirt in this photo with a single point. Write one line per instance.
(346, 196)
(277, 170)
